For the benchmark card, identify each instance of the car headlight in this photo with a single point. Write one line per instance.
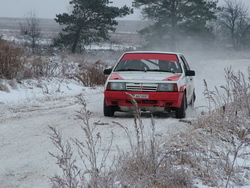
(117, 86)
(167, 87)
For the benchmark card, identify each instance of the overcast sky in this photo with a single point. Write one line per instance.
(49, 8)
(46, 8)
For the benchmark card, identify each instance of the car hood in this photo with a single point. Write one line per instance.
(150, 76)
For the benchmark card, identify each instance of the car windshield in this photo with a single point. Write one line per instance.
(149, 65)
(161, 62)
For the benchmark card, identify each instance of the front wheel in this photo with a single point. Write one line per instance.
(181, 112)
(108, 110)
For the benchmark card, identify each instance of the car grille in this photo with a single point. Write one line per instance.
(141, 87)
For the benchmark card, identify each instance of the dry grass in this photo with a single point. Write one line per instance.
(16, 64)
(219, 138)
(43, 66)
(90, 172)
(210, 151)
(91, 74)
(147, 165)
(11, 60)
(3, 86)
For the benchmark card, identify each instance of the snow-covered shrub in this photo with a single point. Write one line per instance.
(86, 170)
(216, 147)
(42, 66)
(91, 74)
(3, 86)
(147, 164)
(213, 150)
(228, 125)
(232, 98)
(11, 60)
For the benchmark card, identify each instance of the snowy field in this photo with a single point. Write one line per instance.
(29, 108)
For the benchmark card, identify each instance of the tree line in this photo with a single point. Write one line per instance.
(172, 23)
(176, 21)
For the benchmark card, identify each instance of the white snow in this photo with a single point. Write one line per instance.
(27, 110)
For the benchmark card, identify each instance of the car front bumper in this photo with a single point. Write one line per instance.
(147, 101)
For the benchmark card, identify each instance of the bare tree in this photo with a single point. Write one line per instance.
(234, 24)
(31, 29)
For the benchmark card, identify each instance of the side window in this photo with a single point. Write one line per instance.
(121, 65)
(186, 66)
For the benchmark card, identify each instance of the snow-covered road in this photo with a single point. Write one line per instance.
(24, 123)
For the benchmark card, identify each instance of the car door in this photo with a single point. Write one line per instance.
(188, 79)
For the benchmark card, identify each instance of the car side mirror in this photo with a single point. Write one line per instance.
(107, 71)
(190, 73)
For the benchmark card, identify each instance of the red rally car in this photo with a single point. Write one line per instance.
(158, 81)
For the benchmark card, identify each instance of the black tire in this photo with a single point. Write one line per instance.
(181, 112)
(108, 111)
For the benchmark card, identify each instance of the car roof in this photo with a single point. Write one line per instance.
(156, 52)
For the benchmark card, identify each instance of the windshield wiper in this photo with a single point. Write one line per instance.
(157, 70)
(129, 70)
